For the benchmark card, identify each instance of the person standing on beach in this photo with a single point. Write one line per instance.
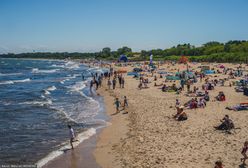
(188, 86)
(117, 105)
(244, 150)
(72, 135)
(125, 103)
(91, 85)
(119, 79)
(122, 82)
(109, 84)
(114, 83)
(182, 82)
(97, 84)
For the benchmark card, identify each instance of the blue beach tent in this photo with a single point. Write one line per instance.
(123, 58)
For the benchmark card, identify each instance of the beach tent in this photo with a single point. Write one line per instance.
(123, 58)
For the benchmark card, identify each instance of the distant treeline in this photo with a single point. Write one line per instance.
(232, 51)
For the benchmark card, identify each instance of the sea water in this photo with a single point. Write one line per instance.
(38, 99)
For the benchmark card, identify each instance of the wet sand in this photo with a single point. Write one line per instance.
(81, 156)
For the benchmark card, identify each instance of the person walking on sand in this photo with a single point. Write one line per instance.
(188, 86)
(91, 85)
(244, 150)
(119, 79)
(114, 83)
(117, 105)
(122, 82)
(72, 136)
(125, 103)
(109, 84)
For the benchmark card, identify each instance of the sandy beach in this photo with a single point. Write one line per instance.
(148, 136)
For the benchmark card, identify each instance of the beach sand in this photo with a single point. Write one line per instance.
(148, 136)
(105, 153)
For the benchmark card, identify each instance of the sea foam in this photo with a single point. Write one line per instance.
(14, 81)
(37, 70)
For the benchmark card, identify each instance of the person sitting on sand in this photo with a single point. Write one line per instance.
(226, 124)
(201, 103)
(210, 86)
(193, 103)
(181, 115)
(177, 103)
(206, 96)
(218, 164)
(164, 88)
(221, 96)
(173, 87)
(155, 78)
(243, 152)
(195, 89)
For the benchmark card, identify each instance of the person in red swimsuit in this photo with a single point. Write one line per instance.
(244, 150)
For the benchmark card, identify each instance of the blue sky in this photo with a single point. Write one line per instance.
(90, 25)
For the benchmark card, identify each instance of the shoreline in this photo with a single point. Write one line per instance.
(97, 150)
(110, 137)
(83, 149)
